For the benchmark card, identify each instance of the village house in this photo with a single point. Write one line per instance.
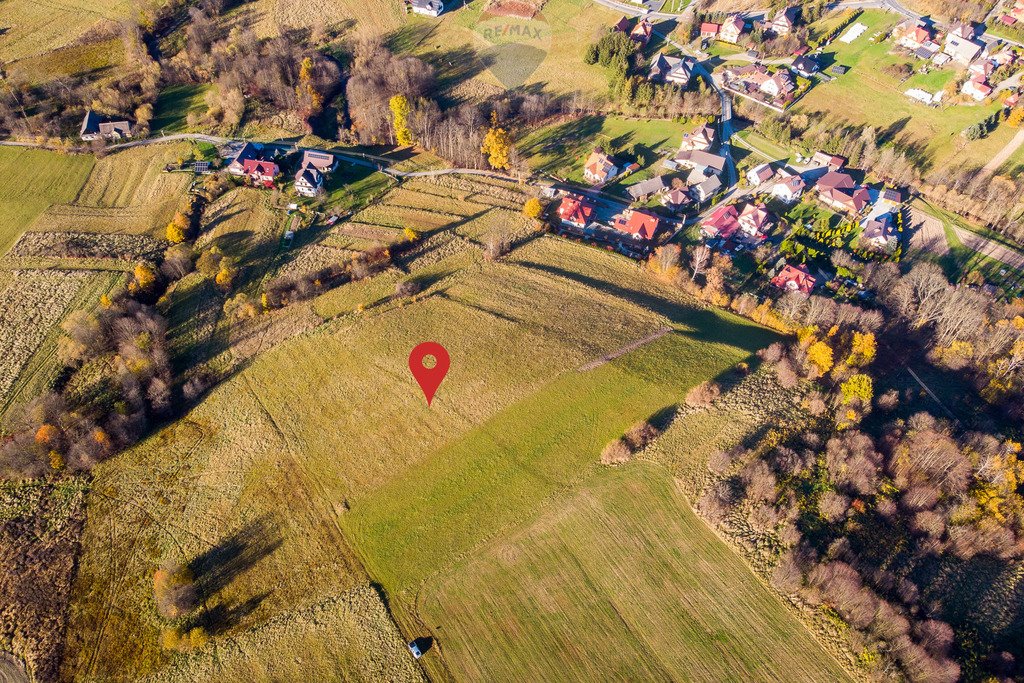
(308, 181)
(721, 223)
(760, 174)
(256, 163)
(622, 25)
(643, 190)
(312, 167)
(788, 187)
(702, 163)
(785, 21)
(913, 34)
(575, 211)
(709, 30)
(755, 221)
(599, 167)
(748, 77)
(706, 189)
(640, 225)
(832, 162)
(668, 69)
(94, 128)
(430, 8)
(794, 279)
(261, 172)
(961, 49)
(839, 191)
(977, 89)
(878, 231)
(731, 30)
(641, 33)
(805, 66)
(752, 220)
(779, 85)
(676, 198)
(700, 139)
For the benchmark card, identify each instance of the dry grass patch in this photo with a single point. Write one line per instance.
(32, 304)
(35, 28)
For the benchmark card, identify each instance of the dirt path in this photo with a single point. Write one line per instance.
(632, 346)
(1005, 153)
(1004, 254)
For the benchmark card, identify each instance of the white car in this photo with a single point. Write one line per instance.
(414, 648)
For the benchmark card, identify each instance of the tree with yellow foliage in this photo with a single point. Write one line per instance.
(863, 349)
(858, 388)
(532, 208)
(312, 102)
(1016, 117)
(225, 277)
(177, 229)
(143, 279)
(400, 110)
(819, 354)
(497, 146)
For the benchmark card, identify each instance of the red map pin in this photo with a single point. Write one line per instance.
(429, 378)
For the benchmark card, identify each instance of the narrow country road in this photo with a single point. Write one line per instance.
(1001, 157)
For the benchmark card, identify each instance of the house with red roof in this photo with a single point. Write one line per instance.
(977, 89)
(709, 29)
(636, 223)
(641, 33)
(841, 192)
(575, 210)
(752, 219)
(723, 222)
(261, 171)
(794, 279)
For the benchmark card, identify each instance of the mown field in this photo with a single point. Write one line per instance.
(36, 179)
(868, 96)
(617, 580)
(34, 28)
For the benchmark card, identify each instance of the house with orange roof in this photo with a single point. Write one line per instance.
(636, 223)
(599, 167)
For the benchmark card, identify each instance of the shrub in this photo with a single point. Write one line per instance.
(616, 452)
(406, 288)
(639, 435)
(174, 591)
(703, 395)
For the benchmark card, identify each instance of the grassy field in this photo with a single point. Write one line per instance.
(628, 583)
(868, 96)
(40, 179)
(35, 28)
(562, 149)
(94, 59)
(173, 106)
(300, 458)
(470, 65)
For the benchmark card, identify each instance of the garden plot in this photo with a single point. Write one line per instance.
(96, 219)
(420, 220)
(31, 305)
(83, 245)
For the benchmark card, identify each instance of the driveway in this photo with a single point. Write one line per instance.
(1007, 256)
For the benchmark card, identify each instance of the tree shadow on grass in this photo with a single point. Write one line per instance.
(564, 141)
(705, 324)
(236, 554)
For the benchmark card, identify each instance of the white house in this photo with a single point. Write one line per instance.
(309, 181)
(430, 8)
